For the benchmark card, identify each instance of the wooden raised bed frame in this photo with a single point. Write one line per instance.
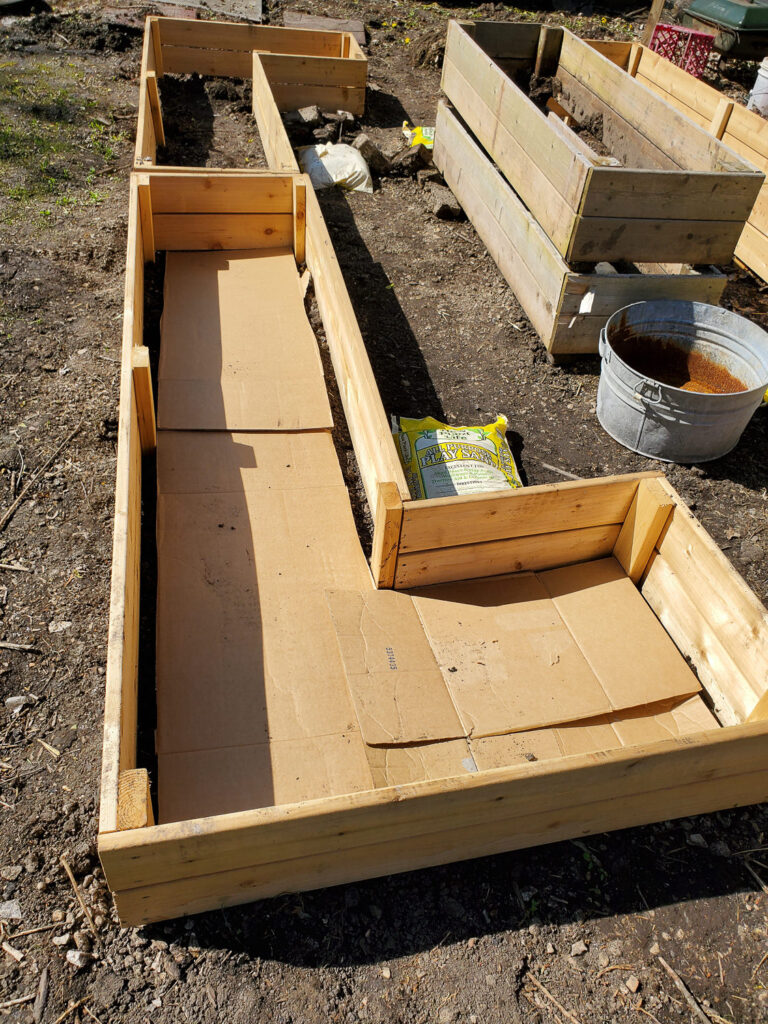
(567, 307)
(160, 871)
(745, 131)
(303, 67)
(683, 196)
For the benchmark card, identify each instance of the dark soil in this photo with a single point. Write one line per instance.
(668, 363)
(587, 919)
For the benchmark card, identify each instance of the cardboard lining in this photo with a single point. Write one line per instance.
(237, 351)
(396, 686)
(201, 783)
(539, 649)
(246, 649)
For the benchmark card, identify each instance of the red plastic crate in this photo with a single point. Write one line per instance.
(683, 46)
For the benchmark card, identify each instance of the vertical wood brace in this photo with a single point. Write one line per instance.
(653, 19)
(145, 399)
(760, 712)
(153, 95)
(548, 52)
(145, 217)
(134, 803)
(645, 520)
(721, 117)
(635, 57)
(299, 220)
(157, 48)
(345, 44)
(386, 536)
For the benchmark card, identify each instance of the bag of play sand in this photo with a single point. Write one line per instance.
(441, 461)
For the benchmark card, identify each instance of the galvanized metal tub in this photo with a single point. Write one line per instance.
(665, 422)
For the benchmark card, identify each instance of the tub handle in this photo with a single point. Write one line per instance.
(604, 348)
(648, 391)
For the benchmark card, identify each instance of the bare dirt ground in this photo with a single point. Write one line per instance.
(468, 942)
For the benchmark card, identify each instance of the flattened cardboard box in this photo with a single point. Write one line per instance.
(251, 691)
(237, 351)
(515, 653)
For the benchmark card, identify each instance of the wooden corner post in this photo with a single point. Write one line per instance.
(145, 400)
(386, 536)
(299, 220)
(134, 802)
(145, 218)
(645, 520)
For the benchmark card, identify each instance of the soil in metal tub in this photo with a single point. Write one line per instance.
(668, 363)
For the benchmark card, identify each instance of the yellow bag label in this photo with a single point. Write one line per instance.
(441, 461)
(419, 136)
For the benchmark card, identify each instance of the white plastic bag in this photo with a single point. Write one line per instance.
(329, 164)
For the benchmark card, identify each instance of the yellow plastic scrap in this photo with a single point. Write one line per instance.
(419, 136)
(440, 460)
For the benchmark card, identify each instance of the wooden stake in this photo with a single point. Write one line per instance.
(657, 8)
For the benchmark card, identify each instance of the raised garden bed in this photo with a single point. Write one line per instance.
(516, 667)
(679, 196)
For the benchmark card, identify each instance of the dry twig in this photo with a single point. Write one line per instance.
(756, 877)
(551, 998)
(70, 1009)
(615, 967)
(6, 645)
(16, 1002)
(684, 991)
(14, 567)
(80, 899)
(8, 515)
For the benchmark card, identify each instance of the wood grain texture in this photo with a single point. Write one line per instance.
(336, 825)
(386, 535)
(645, 520)
(476, 518)
(134, 809)
(498, 557)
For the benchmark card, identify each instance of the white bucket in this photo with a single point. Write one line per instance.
(758, 98)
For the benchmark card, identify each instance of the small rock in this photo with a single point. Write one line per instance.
(446, 1015)
(10, 872)
(679, 934)
(445, 205)
(16, 703)
(720, 849)
(603, 960)
(31, 863)
(490, 980)
(57, 916)
(10, 911)
(408, 161)
(372, 155)
(310, 116)
(632, 983)
(61, 940)
(655, 949)
(696, 839)
(324, 133)
(751, 550)
(58, 625)
(386, 973)
(550, 948)
(579, 948)
(471, 943)
(172, 969)
(78, 958)
(83, 941)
